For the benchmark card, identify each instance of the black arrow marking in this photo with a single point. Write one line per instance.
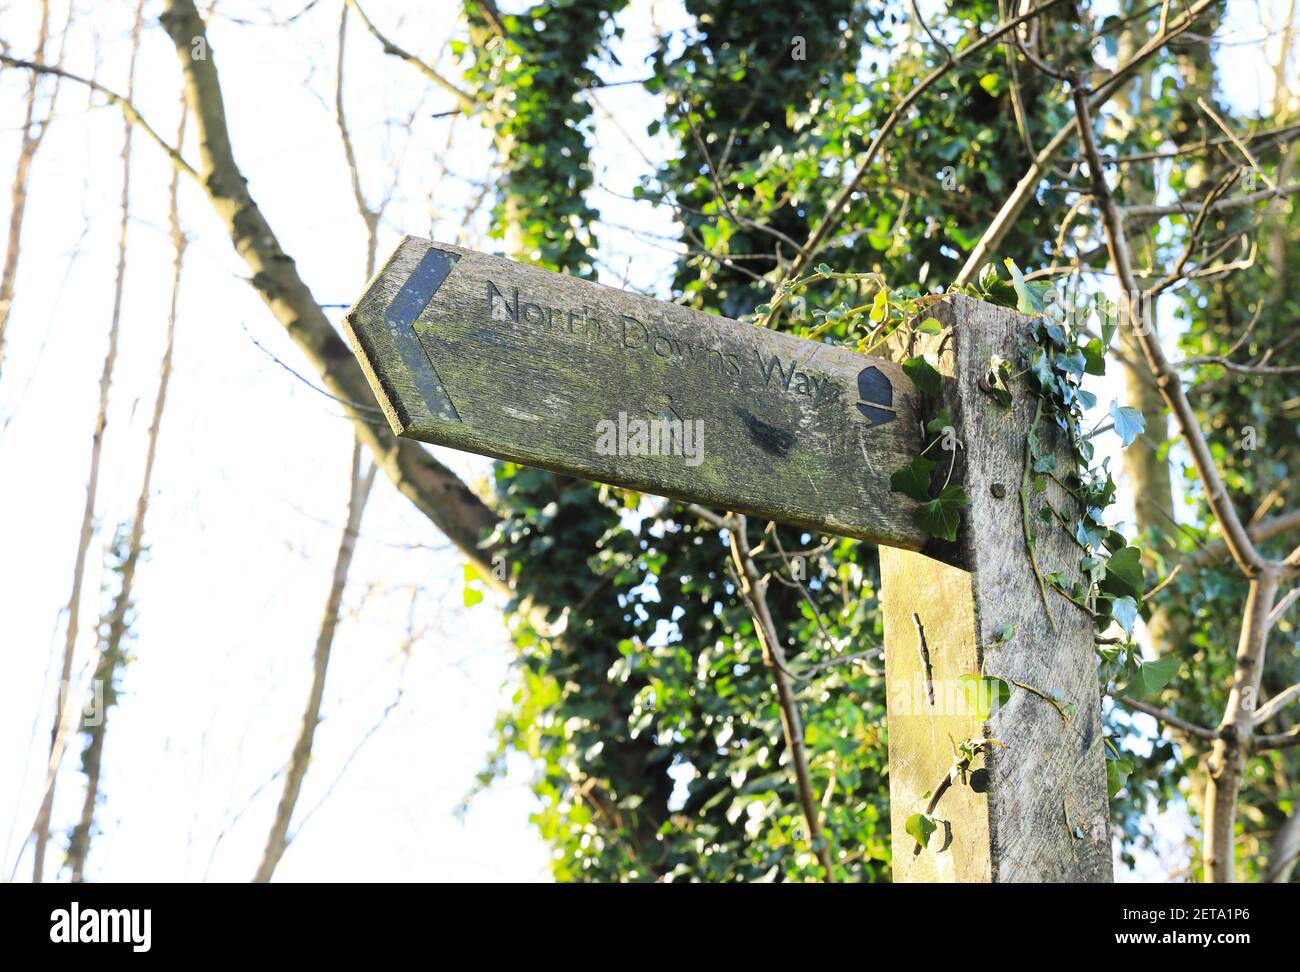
(400, 317)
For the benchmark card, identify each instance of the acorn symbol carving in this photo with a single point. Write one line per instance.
(876, 396)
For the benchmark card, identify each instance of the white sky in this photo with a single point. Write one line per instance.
(252, 474)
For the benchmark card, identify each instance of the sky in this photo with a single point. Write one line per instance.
(252, 475)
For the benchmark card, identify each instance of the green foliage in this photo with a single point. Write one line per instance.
(920, 826)
(646, 706)
(984, 694)
(651, 714)
(941, 516)
(532, 75)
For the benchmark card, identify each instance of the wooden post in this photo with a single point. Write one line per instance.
(1034, 807)
(483, 354)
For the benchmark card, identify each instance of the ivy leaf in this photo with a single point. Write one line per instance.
(924, 375)
(1152, 676)
(913, 479)
(921, 826)
(1073, 362)
(940, 422)
(941, 516)
(930, 326)
(472, 596)
(1089, 534)
(984, 694)
(1109, 325)
(1124, 573)
(880, 306)
(995, 290)
(1117, 773)
(1125, 611)
(1094, 356)
(1027, 301)
(1040, 366)
(1129, 422)
(1114, 540)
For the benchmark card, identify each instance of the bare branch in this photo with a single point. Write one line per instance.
(836, 210)
(1223, 205)
(1171, 389)
(1284, 852)
(41, 830)
(1259, 532)
(114, 625)
(1169, 719)
(753, 588)
(32, 134)
(1244, 369)
(1028, 185)
(1193, 237)
(466, 100)
(277, 841)
(715, 519)
(1277, 703)
(1169, 579)
(1281, 740)
(124, 103)
(1238, 143)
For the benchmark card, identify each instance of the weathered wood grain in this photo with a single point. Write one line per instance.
(1012, 825)
(490, 356)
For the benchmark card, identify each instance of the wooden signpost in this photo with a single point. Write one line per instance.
(490, 356)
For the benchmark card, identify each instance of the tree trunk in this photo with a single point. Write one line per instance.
(112, 655)
(58, 732)
(1227, 764)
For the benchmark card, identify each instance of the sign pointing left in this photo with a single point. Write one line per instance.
(490, 356)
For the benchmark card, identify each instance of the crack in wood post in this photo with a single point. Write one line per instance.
(924, 650)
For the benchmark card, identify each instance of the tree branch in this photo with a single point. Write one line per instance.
(1222, 206)
(277, 840)
(1280, 740)
(1160, 715)
(835, 212)
(1028, 185)
(124, 103)
(1276, 704)
(466, 100)
(1284, 852)
(434, 489)
(753, 588)
(1259, 532)
(1171, 389)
